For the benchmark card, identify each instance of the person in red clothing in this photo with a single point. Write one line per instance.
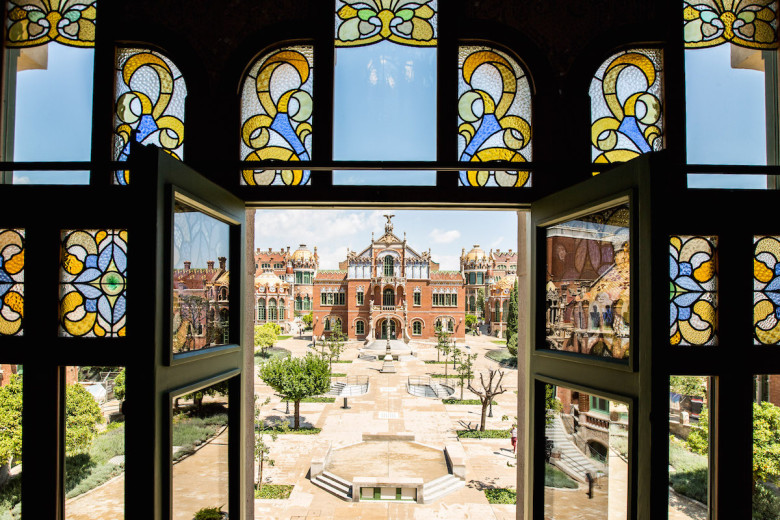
(514, 438)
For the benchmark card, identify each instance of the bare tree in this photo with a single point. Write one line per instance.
(489, 390)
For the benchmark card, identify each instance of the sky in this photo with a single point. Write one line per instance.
(335, 231)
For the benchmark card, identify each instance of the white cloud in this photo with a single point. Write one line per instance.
(444, 237)
(22, 179)
(497, 242)
(447, 262)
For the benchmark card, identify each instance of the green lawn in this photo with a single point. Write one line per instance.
(280, 491)
(553, 477)
(338, 374)
(502, 357)
(85, 471)
(487, 434)
(689, 477)
(464, 401)
(191, 430)
(282, 338)
(271, 352)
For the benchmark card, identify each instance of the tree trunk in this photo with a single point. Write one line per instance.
(260, 472)
(461, 389)
(297, 414)
(485, 403)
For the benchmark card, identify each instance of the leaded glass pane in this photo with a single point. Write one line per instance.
(276, 114)
(93, 283)
(627, 106)
(11, 281)
(747, 23)
(693, 284)
(494, 115)
(766, 290)
(588, 291)
(364, 22)
(150, 94)
(38, 22)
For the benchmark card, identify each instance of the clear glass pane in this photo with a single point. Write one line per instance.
(48, 85)
(11, 441)
(586, 456)
(201, 280)
(11, 282)
(383, 178)
(200, 451)
(693, 290)
(93, 283)
(94, 442)
(276, 114)
(588, 284)
(494, 115)
(626, 97)
(689, 444)
(726, 181)
(150, 94)
(766, 443)
(766, 290)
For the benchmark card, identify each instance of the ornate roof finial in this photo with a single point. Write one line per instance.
(389, 225)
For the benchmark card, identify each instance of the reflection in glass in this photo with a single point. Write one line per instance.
(201, 280)
(11, 441)
(766, 445)
(94, 442)
(689, 444)
(586, 456)
(588, 284)
(200, 451)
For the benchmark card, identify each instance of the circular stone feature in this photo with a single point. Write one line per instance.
(388, 459)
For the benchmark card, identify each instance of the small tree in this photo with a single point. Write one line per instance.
(511, 320)
(766, 442)
(307, 320)
(551, 404)
(262, 448)
(465, 371)
(490, 389)
(699, 437)
(471, 320)
(297, 378)
(443, 341)
(334, 345)
(82, 415)
(220, 388)
(511, 343)
(688, 385)
(11, 421)
(266, 336)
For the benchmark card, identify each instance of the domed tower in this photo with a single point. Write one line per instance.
(474, 266)
(305, 264)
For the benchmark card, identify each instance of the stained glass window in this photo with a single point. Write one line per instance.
(626, 106)
(364, 22)
(766, 290)
(150, 94)
(494, 115)
(747, 23)
(11, 281)
(37, 22)
(276, 114)
(93, 283)
(693, 284)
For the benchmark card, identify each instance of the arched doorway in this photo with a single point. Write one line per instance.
(382, 328)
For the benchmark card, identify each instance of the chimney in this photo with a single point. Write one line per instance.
(288, 250)
(222, 261)
(210, 265)
(270, 249)
(187, 265)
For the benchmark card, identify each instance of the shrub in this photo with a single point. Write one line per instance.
(501, 496)
(766, 503)
(119, 386)
(690, 471)
(319, 400)
(464, 401)
(485, 434)
(82, 415)
(209, 513)
(553, 477)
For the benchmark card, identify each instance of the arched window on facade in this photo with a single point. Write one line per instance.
(417, 328)
(281, 308)
(261, 309)
(306, 303)
(360, 327)
(506, 310)
(388, 265)
(327, 324)
(272, 309)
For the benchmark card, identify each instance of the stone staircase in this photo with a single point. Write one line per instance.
(439, 391)
(440, 487)
(336, 387)
(334, 484)
(572, 462)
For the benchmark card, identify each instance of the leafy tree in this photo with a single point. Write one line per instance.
(443, 341)
(308, 319)
(551, 404)
(511, 343)
(297, 378)
(766, 442)
(688, 385)
(334, 344)
(481, 301)
(119, 386)
(466, 371)
(471, 321)
(266, 336)
(82, 415)
(511, 320)
(698, 438)
(220, 388)
(11, 421)
(490, 388)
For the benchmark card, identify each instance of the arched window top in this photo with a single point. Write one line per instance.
(709, 23)
(276, 114)
(29, 25)
(626, 96)
(150, 93)
(494, 115)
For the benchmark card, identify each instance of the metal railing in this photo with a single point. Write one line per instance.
(350, 385)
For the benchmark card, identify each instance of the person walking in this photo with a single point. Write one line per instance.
(514, 439)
